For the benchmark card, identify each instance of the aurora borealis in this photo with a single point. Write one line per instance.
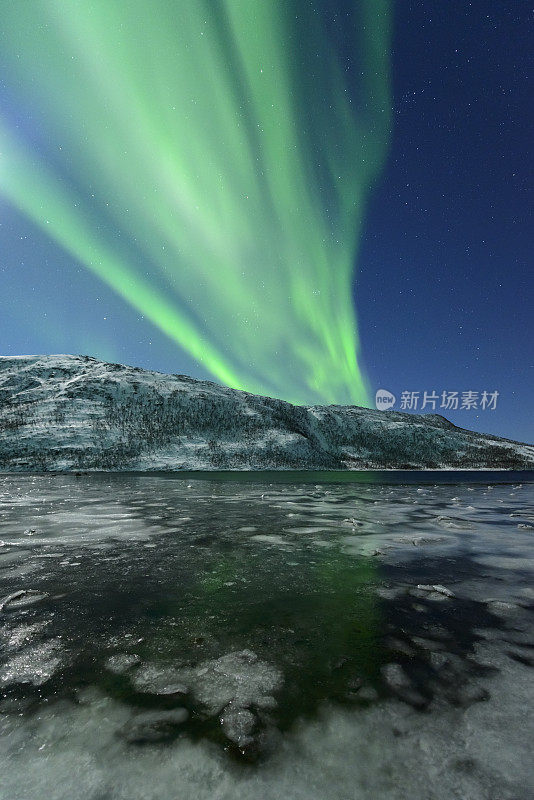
(211, 162)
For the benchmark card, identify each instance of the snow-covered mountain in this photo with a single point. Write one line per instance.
(73, 412)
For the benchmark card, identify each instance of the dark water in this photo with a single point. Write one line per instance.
(313, 477)
(238, 621)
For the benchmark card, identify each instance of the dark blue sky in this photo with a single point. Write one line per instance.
(446, 283)
(444, 288)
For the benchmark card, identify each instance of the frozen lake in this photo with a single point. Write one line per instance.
(276, 635)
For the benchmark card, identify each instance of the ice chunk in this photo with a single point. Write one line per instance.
(501, 609)
(238, 724)
(395, 677)
(34, 665)
(269, 539)
(435, 588)
(22, 597)
(22, 634)
(121, 662)
(238, 677)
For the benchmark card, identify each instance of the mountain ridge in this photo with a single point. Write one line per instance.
(68, 412)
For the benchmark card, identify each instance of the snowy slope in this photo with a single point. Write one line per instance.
(73, 412)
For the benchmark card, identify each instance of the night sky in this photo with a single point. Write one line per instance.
(312, 200)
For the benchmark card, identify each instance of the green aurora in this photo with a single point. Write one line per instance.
(210, 161)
